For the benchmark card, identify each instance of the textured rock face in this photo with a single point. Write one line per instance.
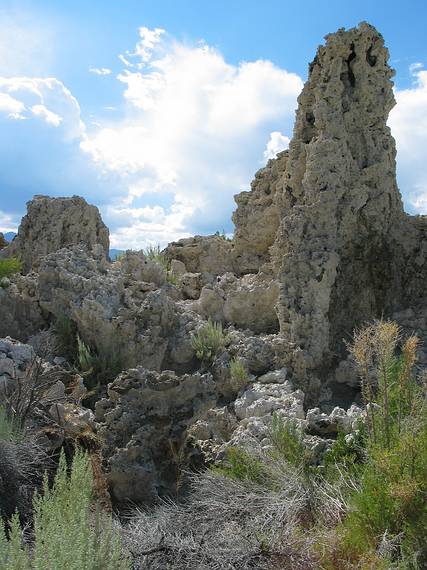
(211, 255)
(3, 242)
(247, 303)
(54, 223)
(257, 216)
(144, 427)
(344, 247)
(20, 313)
(115, 310)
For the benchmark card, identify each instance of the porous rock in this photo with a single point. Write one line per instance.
(53, 223)
(145, 419)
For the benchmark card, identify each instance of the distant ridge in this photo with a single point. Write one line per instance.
(114, 253)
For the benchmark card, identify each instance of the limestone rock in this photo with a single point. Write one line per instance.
(144, 423)
(211, 255)
(257, 217)
(20, 313)
(345, 251)
(264, 399)
(248, 302)
(113, 310)
(53, 223)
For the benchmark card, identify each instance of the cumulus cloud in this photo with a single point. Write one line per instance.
(276, 144)
(190, 132)
(195, 129)
(44, 98)
(11, 106)
(100, 70)
(408, 122)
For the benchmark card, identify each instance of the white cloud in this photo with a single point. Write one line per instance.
(44, 98)
(100, 70)
(11, 106)
(50, 117)
(144, 48)
(276, 144)
(408, 122)
(8, 222)
(195, 129)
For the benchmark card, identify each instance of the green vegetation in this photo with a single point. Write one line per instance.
(10, 428)
(366, 503)
(288, 442)
(99, 366)
(66, 335)
(67, 533)
(208, 341)
(238, 373)
(10, 266)
(154, 253)
(243, 466)
(392, 498)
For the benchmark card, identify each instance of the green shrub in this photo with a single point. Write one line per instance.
(67, 534)
(65, 332)
(9, 266)
(244, 466)
(85, 357)
(287, 439)
(208, 341)
(392, 499)
(154, 253)
(238, 373)
(10, 429)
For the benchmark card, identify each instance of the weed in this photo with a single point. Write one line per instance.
(208, 341)
(238, 373)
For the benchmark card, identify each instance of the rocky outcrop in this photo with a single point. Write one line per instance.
(115, 310)
(145, 419)
(20, 313)
(345, 250)
(53, 223)
(248, 302)
(3, 242)
(257, 216)
(208, 255)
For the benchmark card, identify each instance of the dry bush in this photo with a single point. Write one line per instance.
(225, 523)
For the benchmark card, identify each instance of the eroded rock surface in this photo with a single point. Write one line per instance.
(145, 419)
(53, 223)
(257, 216)
(345, 251)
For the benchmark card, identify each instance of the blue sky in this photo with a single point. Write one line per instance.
(159, 111)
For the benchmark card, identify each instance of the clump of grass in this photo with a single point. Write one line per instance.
(238, 373)
(67, 534)
(154, 253)
(208, 341)
(243, 466)
(85, 357)
(10, 266)
(288, 441)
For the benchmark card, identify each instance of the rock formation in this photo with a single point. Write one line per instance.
(321, 245)
(53, 223)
